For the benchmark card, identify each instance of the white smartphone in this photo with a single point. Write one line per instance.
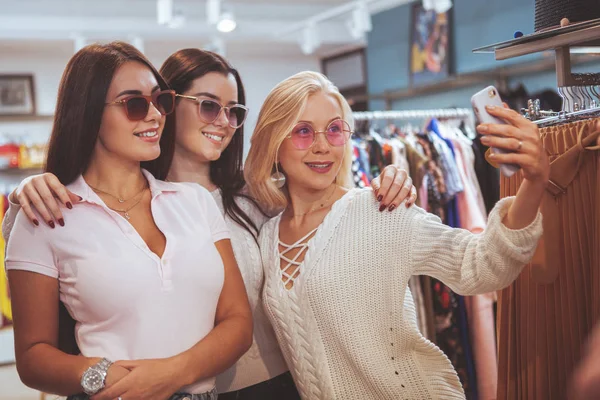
(490, 97)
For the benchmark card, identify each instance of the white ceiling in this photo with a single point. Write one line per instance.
(27, 23)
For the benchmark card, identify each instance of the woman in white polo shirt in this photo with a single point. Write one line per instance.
(144, 267)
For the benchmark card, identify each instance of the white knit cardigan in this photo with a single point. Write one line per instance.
(347, 328)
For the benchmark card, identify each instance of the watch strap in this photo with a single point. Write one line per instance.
(103, 365)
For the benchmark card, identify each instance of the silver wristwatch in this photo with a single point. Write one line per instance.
(94, 378)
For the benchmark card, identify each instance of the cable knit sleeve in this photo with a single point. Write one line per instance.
(472, 263)
(9, 219)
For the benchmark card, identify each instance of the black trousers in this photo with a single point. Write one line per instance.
(281, 387)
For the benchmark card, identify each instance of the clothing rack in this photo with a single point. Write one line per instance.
(465, 113)
(545, 118)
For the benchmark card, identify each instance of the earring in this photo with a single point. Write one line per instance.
(278, 179)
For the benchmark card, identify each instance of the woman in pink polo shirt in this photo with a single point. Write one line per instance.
(209, 151)
(144, 267)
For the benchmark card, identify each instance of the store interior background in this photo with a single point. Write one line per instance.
(39, 36)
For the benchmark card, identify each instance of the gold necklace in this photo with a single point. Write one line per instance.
(126, 212)
(121, 200)
(318, 208)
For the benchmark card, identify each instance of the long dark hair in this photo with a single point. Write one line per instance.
(80, 105)
(180, 70)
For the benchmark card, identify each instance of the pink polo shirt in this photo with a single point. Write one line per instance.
(128, 303)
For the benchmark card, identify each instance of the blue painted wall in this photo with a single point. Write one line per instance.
(475, 23)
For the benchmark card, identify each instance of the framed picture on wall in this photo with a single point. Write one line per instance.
(430, 45)
(17, 96)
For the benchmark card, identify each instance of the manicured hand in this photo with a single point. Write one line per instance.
(147, 379)
(392, 187)
(522, 138)
(44, 193)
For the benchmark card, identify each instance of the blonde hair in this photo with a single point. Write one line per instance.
(279, 114)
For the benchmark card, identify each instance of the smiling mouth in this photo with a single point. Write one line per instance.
(146, 134)
(320, 165)
(216, 138)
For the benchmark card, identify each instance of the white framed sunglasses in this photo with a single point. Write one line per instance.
(209, 110)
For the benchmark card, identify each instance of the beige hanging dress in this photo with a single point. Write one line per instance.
(545, 316)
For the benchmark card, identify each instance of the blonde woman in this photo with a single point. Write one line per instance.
(336, 270)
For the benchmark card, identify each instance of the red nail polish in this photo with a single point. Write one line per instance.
(51, 223)
(61, 222)
(392, 207)
(383, 207)
(80, 198)
(36, 222)
(69, 205)
(380, 197)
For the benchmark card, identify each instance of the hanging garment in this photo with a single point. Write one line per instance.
(480, 313)
(466, 149)
(545, 316)
(449, 329)
(359, 174)
(422, 198)
(447, 163)
(487, 175)
(470, 216)
(416, 162)
(399, 154)
(376, 159)
(479, 308)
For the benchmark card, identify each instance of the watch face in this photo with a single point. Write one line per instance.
(92, 381)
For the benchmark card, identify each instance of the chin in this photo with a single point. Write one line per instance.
(317, 184)
(149, 155)
(212, 155)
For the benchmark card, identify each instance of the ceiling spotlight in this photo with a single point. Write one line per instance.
(310, 39)
(362, 17)
(178, 20)
(164, 11)
(440, 6)
(227, 23)
(213, 11)
(360, 22)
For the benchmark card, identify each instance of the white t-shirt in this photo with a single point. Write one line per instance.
(128, 303)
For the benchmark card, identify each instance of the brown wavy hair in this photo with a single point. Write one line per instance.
(180, 70)
(80, 105)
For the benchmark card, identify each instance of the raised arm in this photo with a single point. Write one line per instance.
(472, 264)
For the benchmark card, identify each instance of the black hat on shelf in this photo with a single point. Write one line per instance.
(549, 13)
(582, 28)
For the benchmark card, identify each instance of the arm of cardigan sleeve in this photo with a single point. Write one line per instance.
(216, 222)
(29, 248)
(9, 219)
(473, 263)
